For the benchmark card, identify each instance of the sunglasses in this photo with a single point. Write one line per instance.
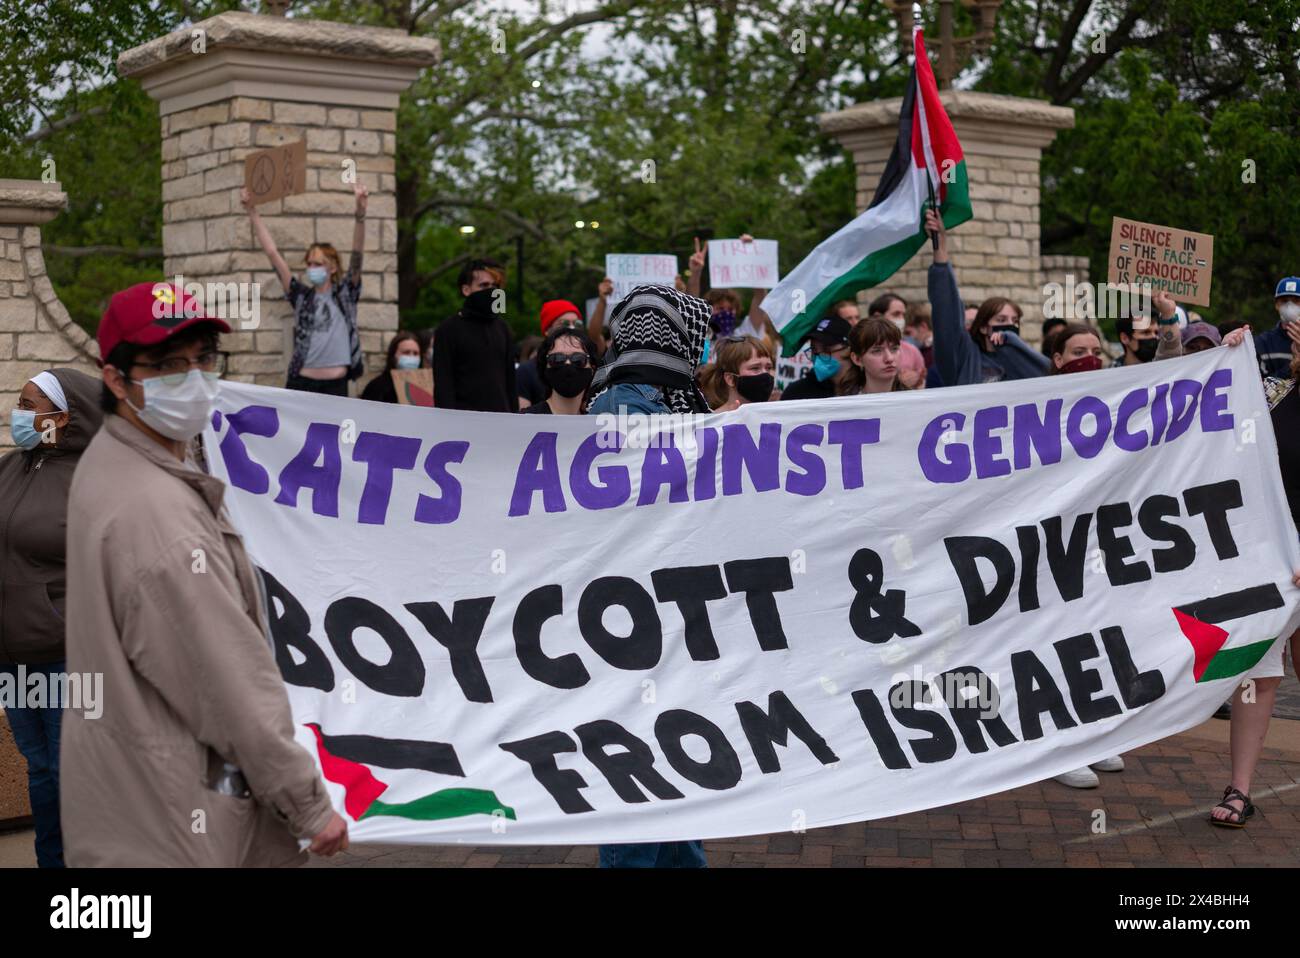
(555, 360)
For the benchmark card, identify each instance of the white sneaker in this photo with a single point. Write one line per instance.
(1080, 778)
(1115, 764)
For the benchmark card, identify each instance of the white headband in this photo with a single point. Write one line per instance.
(47, 384)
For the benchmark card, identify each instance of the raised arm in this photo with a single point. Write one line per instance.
(596, 326)
(697, 268)
(264, 237)
(955, 352)
(1171, 340)
(358, 234)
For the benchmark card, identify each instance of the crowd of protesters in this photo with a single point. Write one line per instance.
(189, 671)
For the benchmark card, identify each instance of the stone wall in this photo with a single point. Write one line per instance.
(996, 252)
(208, 238)
(36, 331)
(239, 82)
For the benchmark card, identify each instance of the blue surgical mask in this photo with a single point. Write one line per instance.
(408, 362)
(316, 275)
(824, 367)
(22, 426)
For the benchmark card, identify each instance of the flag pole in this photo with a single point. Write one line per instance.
(929, 180)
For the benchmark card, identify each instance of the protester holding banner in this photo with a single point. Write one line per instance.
(830, 354)
(1251, 714)
(741, 373)
(1274, 346)
(1076, 349)
(192, 760)
(992, 351)
(567, 361)
(893, 308)
(1051, 326)
(56, 416)
(657, 336)
(403, 353)
(473, 356)
(326, 344)
(875, 350)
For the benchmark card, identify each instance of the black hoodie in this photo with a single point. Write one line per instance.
(33, 519)
(473, 362)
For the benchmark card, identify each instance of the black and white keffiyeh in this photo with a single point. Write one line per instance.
(656, 337)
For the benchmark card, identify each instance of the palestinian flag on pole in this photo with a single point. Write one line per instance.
(869, 250)
(343, 761)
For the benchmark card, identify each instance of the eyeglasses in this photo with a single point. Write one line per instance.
(173, 369)
(581, 360)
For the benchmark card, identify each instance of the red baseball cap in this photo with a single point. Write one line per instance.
(554, 309)
(148, 313)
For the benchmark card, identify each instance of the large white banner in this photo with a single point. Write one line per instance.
(554, 629)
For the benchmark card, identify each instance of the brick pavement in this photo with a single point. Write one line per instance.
(1154, 816)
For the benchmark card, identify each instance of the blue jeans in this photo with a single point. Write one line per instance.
(36, 733)
(661, 855)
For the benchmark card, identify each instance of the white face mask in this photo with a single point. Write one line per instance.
(1290, 311)
(179, 410)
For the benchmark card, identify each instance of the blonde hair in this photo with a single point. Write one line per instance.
(329, 252)
(729, 355)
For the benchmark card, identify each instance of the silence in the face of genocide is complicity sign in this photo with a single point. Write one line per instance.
(495, 629)
(1179, 262)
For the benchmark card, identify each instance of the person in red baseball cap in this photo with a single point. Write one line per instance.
(165, 605)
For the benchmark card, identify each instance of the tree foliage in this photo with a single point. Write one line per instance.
(667, 119)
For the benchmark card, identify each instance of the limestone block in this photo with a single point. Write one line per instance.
(230, 135)
(184, 238)
(11, 270)
(378, 120)
(209, 115)
(361, 141)
(249, 108)
(276, 135)
(340, 116)
(183, 188)
(301, 113)
(382, 316)
(196, 141)
(49, 347)
(329, 141)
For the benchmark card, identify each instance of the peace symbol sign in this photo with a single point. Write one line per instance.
(263, 175)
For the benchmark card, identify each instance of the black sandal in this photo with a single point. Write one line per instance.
(1239, 816)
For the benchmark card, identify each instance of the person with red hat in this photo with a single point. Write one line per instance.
(192, 760)
(555, 314)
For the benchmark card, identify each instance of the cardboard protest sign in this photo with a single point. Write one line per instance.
(1177, 261)
(414, 386)
(736, 264)
(277, 172)
(584, 629)
(629, 270)
(790, 369)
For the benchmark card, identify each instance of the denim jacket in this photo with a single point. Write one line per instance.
(632, 398)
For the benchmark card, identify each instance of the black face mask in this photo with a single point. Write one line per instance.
(480, 303)
(1146, 349)
(568, 380)
(756, 388)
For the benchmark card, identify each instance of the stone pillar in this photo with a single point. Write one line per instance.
(996, 252)
(240, 82)
(36, 332)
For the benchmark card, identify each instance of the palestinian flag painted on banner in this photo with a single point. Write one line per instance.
(1198, 620)
(343, 761)
(875, 246)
